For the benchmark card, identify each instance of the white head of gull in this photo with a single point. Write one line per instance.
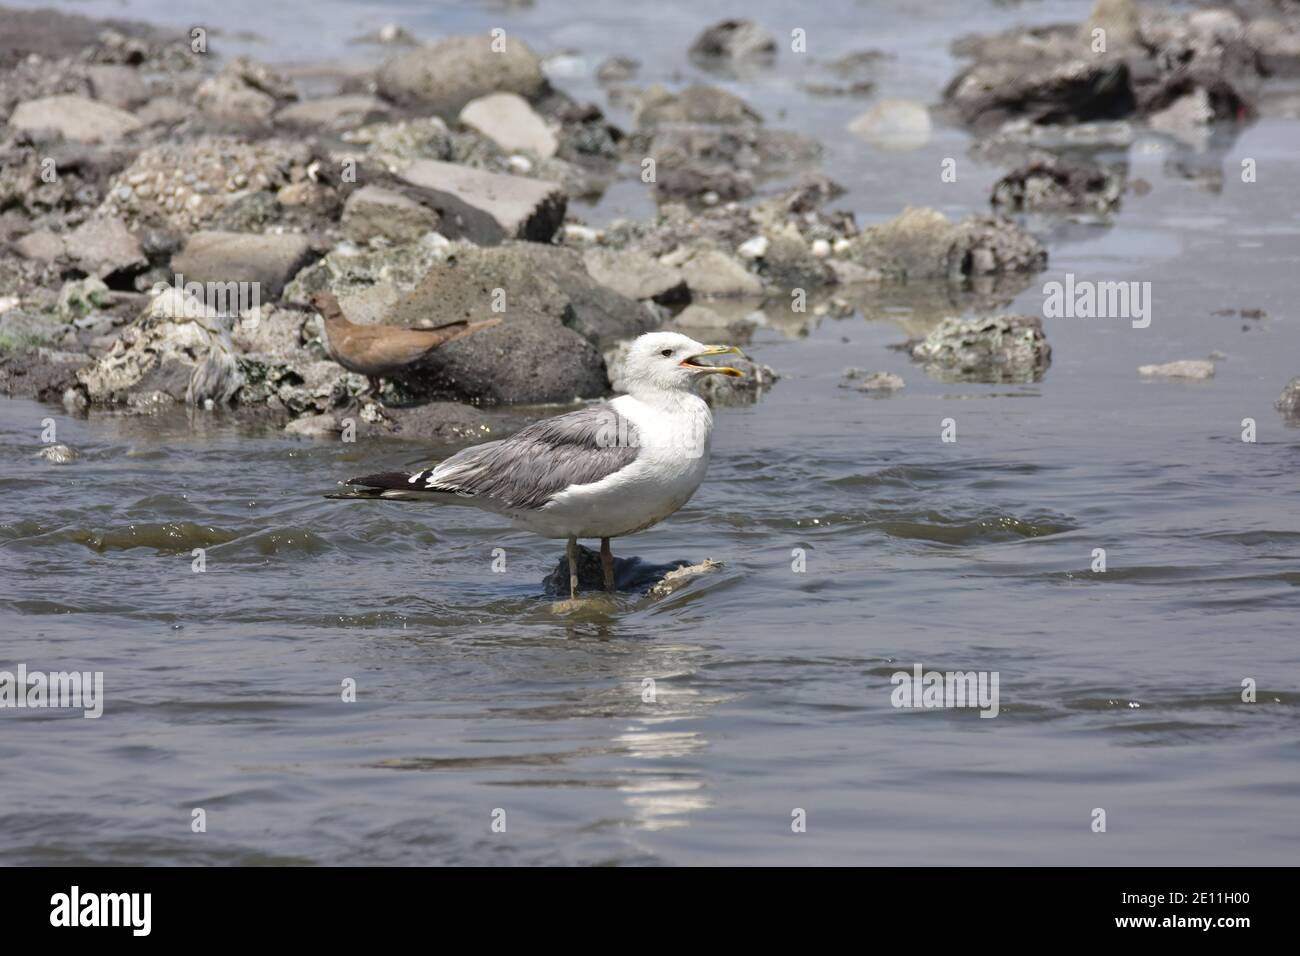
(604, 471)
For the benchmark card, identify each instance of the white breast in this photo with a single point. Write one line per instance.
(674, 438)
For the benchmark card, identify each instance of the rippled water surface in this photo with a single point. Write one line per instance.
(475, 692)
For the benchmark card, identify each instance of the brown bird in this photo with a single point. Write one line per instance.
(378, 351)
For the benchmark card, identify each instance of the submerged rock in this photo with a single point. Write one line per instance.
(894, 125)
(883, 382)
(1002, 348)
(1052, 185)
(59, 454)
(630, 575)
(1288, 403)
(1186, 368)
(732, 44)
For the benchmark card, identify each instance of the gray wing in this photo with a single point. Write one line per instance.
(532, 466)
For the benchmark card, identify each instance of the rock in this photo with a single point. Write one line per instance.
(244, 93)
(921, 243)
(21, 331)
(163, 111)
(733, 43)
(103, 246)
(372, 211)
(698, 103)
(185, 186)
(1119, 20)
(637, 275)
(1288, 403)
(754, 248)
(1053, 185)
(40, 246)
(314, 426)
(677, 579)
(448, 74)
(173, 358)
(617, 69)
(334, 112)
(76, 117)
(80, 297)
(59, 454)
(118, 86)
(488, 208)
(1002, 348)
(700, 317)
(269, 260)
(710, 272)
(886, 382)
(508, 120)
(446, 422)
(1071, 91)
(535, 280)
(1187, 368)
(894, 125)
(528, 358)
(720, 390)
(630, 575)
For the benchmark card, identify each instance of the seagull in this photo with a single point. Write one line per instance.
(377, 351)
(604, 471)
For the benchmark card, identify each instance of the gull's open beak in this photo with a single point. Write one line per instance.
(720, 369)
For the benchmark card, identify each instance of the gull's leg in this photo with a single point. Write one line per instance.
(607, 563)
(573, 567)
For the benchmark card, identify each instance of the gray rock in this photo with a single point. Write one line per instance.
(1052, 185)
(40, 246)
(535, 280)
(488, 208)
(373, 211)
(162, 356)
(117, 85)
(76, 117)
(636, 275)
(528, 358)
(698, 103)
(1002, 348)
(711, 272)
(59, 454)
(102, 246)
(270, 260)
(508, 120)
(922, 243)
(334, 112)
(630, 575)
(1186, 368)
(448, 74)
(444, 422)
(1288, 403)
(732, 43)
(894, 125)
(617, 69)
(883, 382)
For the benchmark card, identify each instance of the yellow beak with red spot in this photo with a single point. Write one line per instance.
(691, 362)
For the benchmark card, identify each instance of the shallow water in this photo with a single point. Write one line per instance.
(1118, 690)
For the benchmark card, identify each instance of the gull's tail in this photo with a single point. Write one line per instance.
(390, 485)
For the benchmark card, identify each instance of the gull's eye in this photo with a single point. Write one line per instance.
(666, 352)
